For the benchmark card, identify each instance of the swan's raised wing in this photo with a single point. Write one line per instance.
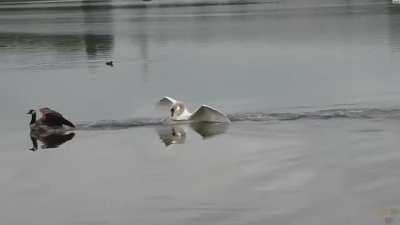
(167, 101)
(208, 114)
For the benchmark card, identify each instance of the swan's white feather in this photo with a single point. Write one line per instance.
(184, 116)
(167, 101)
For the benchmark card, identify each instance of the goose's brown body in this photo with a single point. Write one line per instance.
(53, 119)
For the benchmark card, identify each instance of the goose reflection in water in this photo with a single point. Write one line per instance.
(176, 134)
(52, 139)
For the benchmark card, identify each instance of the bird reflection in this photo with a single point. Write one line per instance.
(176, 134)
(50, 139)
(172, 134)
(207, 130)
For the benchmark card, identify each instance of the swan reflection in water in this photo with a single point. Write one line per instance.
(50, 139)
(176, 134)
(171, 134)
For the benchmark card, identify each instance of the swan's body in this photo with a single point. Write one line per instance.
(205, 113)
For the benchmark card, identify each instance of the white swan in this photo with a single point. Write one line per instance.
(205, 113)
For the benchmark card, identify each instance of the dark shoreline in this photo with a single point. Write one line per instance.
(147, 4)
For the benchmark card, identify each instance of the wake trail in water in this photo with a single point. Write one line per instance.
(120, 124)
(361, 113)
(343, 113)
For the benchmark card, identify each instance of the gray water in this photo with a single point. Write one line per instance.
(310, 85)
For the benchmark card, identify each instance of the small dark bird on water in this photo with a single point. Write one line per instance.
(110, 63)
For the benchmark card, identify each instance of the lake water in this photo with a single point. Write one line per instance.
(311, 86)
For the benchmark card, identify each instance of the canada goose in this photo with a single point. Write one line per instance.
(48, 129)
(179, 112)
(50, 120)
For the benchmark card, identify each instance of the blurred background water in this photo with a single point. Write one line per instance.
(244, 57)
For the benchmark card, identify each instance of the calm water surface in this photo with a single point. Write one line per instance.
(272, 67)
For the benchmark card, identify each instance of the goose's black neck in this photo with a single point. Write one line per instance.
(33, 119)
